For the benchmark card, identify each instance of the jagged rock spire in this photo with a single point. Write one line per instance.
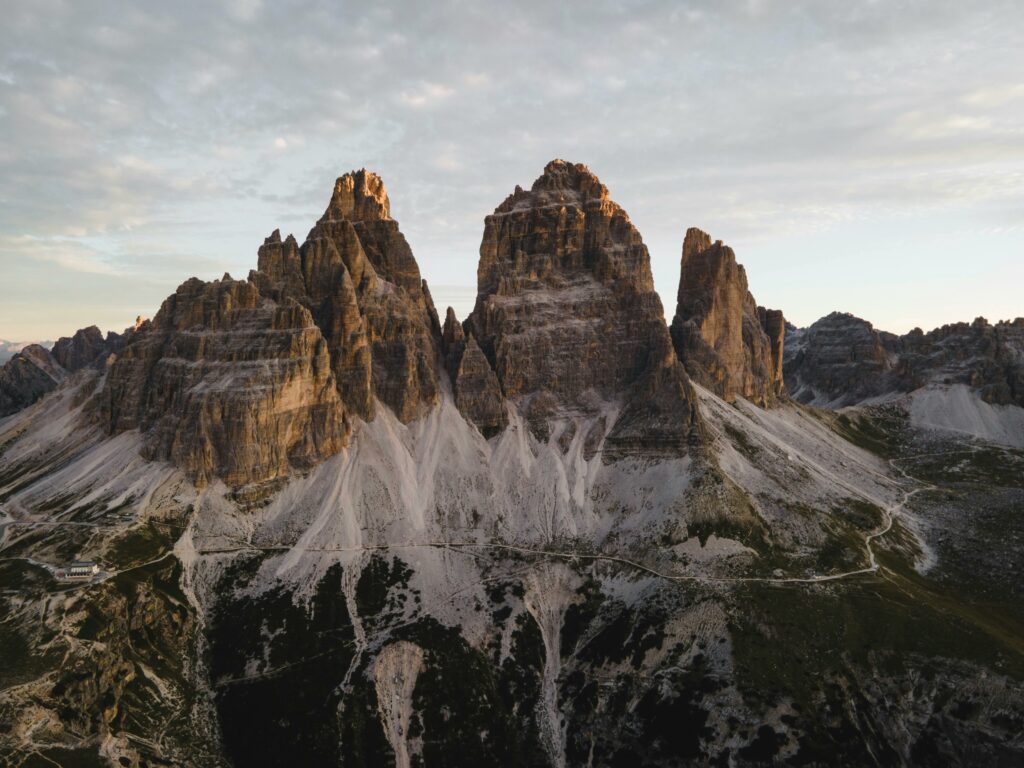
(358, 196)
(249, 381)
(727, 343)
(566, 312)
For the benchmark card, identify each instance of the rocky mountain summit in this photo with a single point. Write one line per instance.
(568, 319)
(247, 381)
(729, 344)
(9, 349)
(841, 360)
(26, 377)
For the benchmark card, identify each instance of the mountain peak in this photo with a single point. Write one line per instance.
(359, 196)
(561, 183)
(728, 343)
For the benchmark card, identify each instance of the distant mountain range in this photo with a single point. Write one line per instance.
(335, 529)
(9, 349)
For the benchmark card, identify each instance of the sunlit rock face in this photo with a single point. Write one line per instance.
(357, 275)
(726, 341)
(252, 380)
(227, 384)
(567, 315)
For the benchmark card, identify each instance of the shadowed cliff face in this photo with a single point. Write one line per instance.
(842, 360)
(35, 371)
(727, 343)
(567, 315)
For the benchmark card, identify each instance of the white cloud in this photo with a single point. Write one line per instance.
(66, 253)
(245, 10)
(995, 96)
(427, 94)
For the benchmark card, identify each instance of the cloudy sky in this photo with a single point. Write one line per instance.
(862, 156)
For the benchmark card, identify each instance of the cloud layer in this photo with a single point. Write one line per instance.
(864, 156)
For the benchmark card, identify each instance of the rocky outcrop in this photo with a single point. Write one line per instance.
(567, 316)
(474, 384)
(249, 381)
(35, 371)
(356, 274)
(227, 384)
(81, 349)
(453, 343)
(26, 377)
(841, 360)
(988, 358)
(477, 393)
(727, 343)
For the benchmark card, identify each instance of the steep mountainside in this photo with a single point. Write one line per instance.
(567, 316)
(251, 380)
(332, 532)
(728, 343)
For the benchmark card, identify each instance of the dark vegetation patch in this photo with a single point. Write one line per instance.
(465, 719)
(66, 758)
(623, 711)
(140, 544)
(818, 647)
(382, 590)
(957, 462)
(882, 430)
(276, 667)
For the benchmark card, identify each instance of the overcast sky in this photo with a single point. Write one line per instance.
(861, 156)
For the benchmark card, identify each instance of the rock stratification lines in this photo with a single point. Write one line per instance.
(567, 316)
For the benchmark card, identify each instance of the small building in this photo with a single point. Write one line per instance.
(82, 569)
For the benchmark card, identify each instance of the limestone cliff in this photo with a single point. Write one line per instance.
(567, 316)
(227, 384)
(249, 381)
(727, 343)
(356, 274)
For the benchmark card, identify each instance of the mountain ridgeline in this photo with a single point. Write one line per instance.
(250, 381)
